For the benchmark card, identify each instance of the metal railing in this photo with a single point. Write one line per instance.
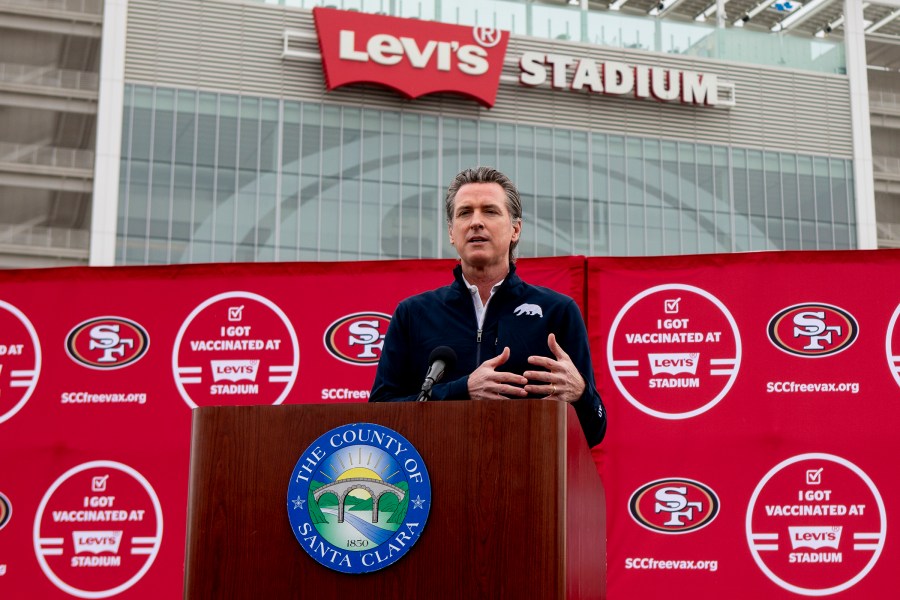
(59, 238)
(87, 7)
(883, 98)
(887, 165)
(46, 156)
(50, 77)
(888, 235)
(611, 28)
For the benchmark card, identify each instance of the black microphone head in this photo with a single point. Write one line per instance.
(446, 354)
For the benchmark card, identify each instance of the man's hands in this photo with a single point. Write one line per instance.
(486, 383)
(560, 381)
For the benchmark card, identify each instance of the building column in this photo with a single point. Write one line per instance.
(863, 174)
(105, 202)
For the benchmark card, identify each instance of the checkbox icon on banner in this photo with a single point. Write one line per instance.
(98, 484)
(814, 477)
(671, 306)
(235, 313)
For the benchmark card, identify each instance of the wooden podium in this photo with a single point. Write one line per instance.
(518, 510)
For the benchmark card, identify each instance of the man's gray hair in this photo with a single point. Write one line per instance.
(487, 175)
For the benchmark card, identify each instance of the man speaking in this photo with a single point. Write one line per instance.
(489, 335)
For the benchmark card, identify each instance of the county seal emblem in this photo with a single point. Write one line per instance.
(359, 498)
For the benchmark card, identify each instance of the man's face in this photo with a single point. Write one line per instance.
(482, 229)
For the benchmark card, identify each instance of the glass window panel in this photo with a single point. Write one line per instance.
(688, 169)
(808, 235)
(268, 137)
(600, 194)
(432, 183)
(351, 150)
(722, 179)
(825, 236)
(581, 222)
(756, 183)
(391, 221)
(290, 138)
(160, 200)
(724, 241)
(266, 221)
(468, 144)
(331, 142)
(182, 200)
(545, 225)
(705, 179)
(433, 225)
(411, 148)
(311, 143)
(308, 217)
(506, 149)
(185, 122)
(203, 203)
(672, 233)
(487, 144)
(330, 213)
(228, 132)
(142, 123)
(450, 150)
(138, 192)
(391, 148)
(350, 224)
(618, 197)
(618, 229)
(636, 230)
(370, 238)
(223, 232)
(127, 124)
(207, 130)
(758, 238)
(822, 187)
(775, 233)
(706, 234)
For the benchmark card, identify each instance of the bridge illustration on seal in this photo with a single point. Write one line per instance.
(376, 488)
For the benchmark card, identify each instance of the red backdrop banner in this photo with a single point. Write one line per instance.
(751, 399)
(752, 402)
(99, 371)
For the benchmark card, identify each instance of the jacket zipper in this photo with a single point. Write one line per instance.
(478, 349)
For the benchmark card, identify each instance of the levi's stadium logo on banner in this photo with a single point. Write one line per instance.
(410, 56)
(236, 348)
(674, 351)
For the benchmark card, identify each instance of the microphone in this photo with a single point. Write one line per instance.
(441, 360)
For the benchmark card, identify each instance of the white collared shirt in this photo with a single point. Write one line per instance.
(481, 309)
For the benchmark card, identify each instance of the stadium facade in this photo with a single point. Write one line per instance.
(180, 131)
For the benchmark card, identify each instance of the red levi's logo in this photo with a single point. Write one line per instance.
(410, 56)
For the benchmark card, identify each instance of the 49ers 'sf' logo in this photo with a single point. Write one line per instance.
(358, 338)
(107, 343)
(813, 330)
(674, 505)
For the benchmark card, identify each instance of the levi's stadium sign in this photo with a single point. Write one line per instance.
(415, 58)
(410, 56)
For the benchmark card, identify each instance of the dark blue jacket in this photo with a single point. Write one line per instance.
(446, 317)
